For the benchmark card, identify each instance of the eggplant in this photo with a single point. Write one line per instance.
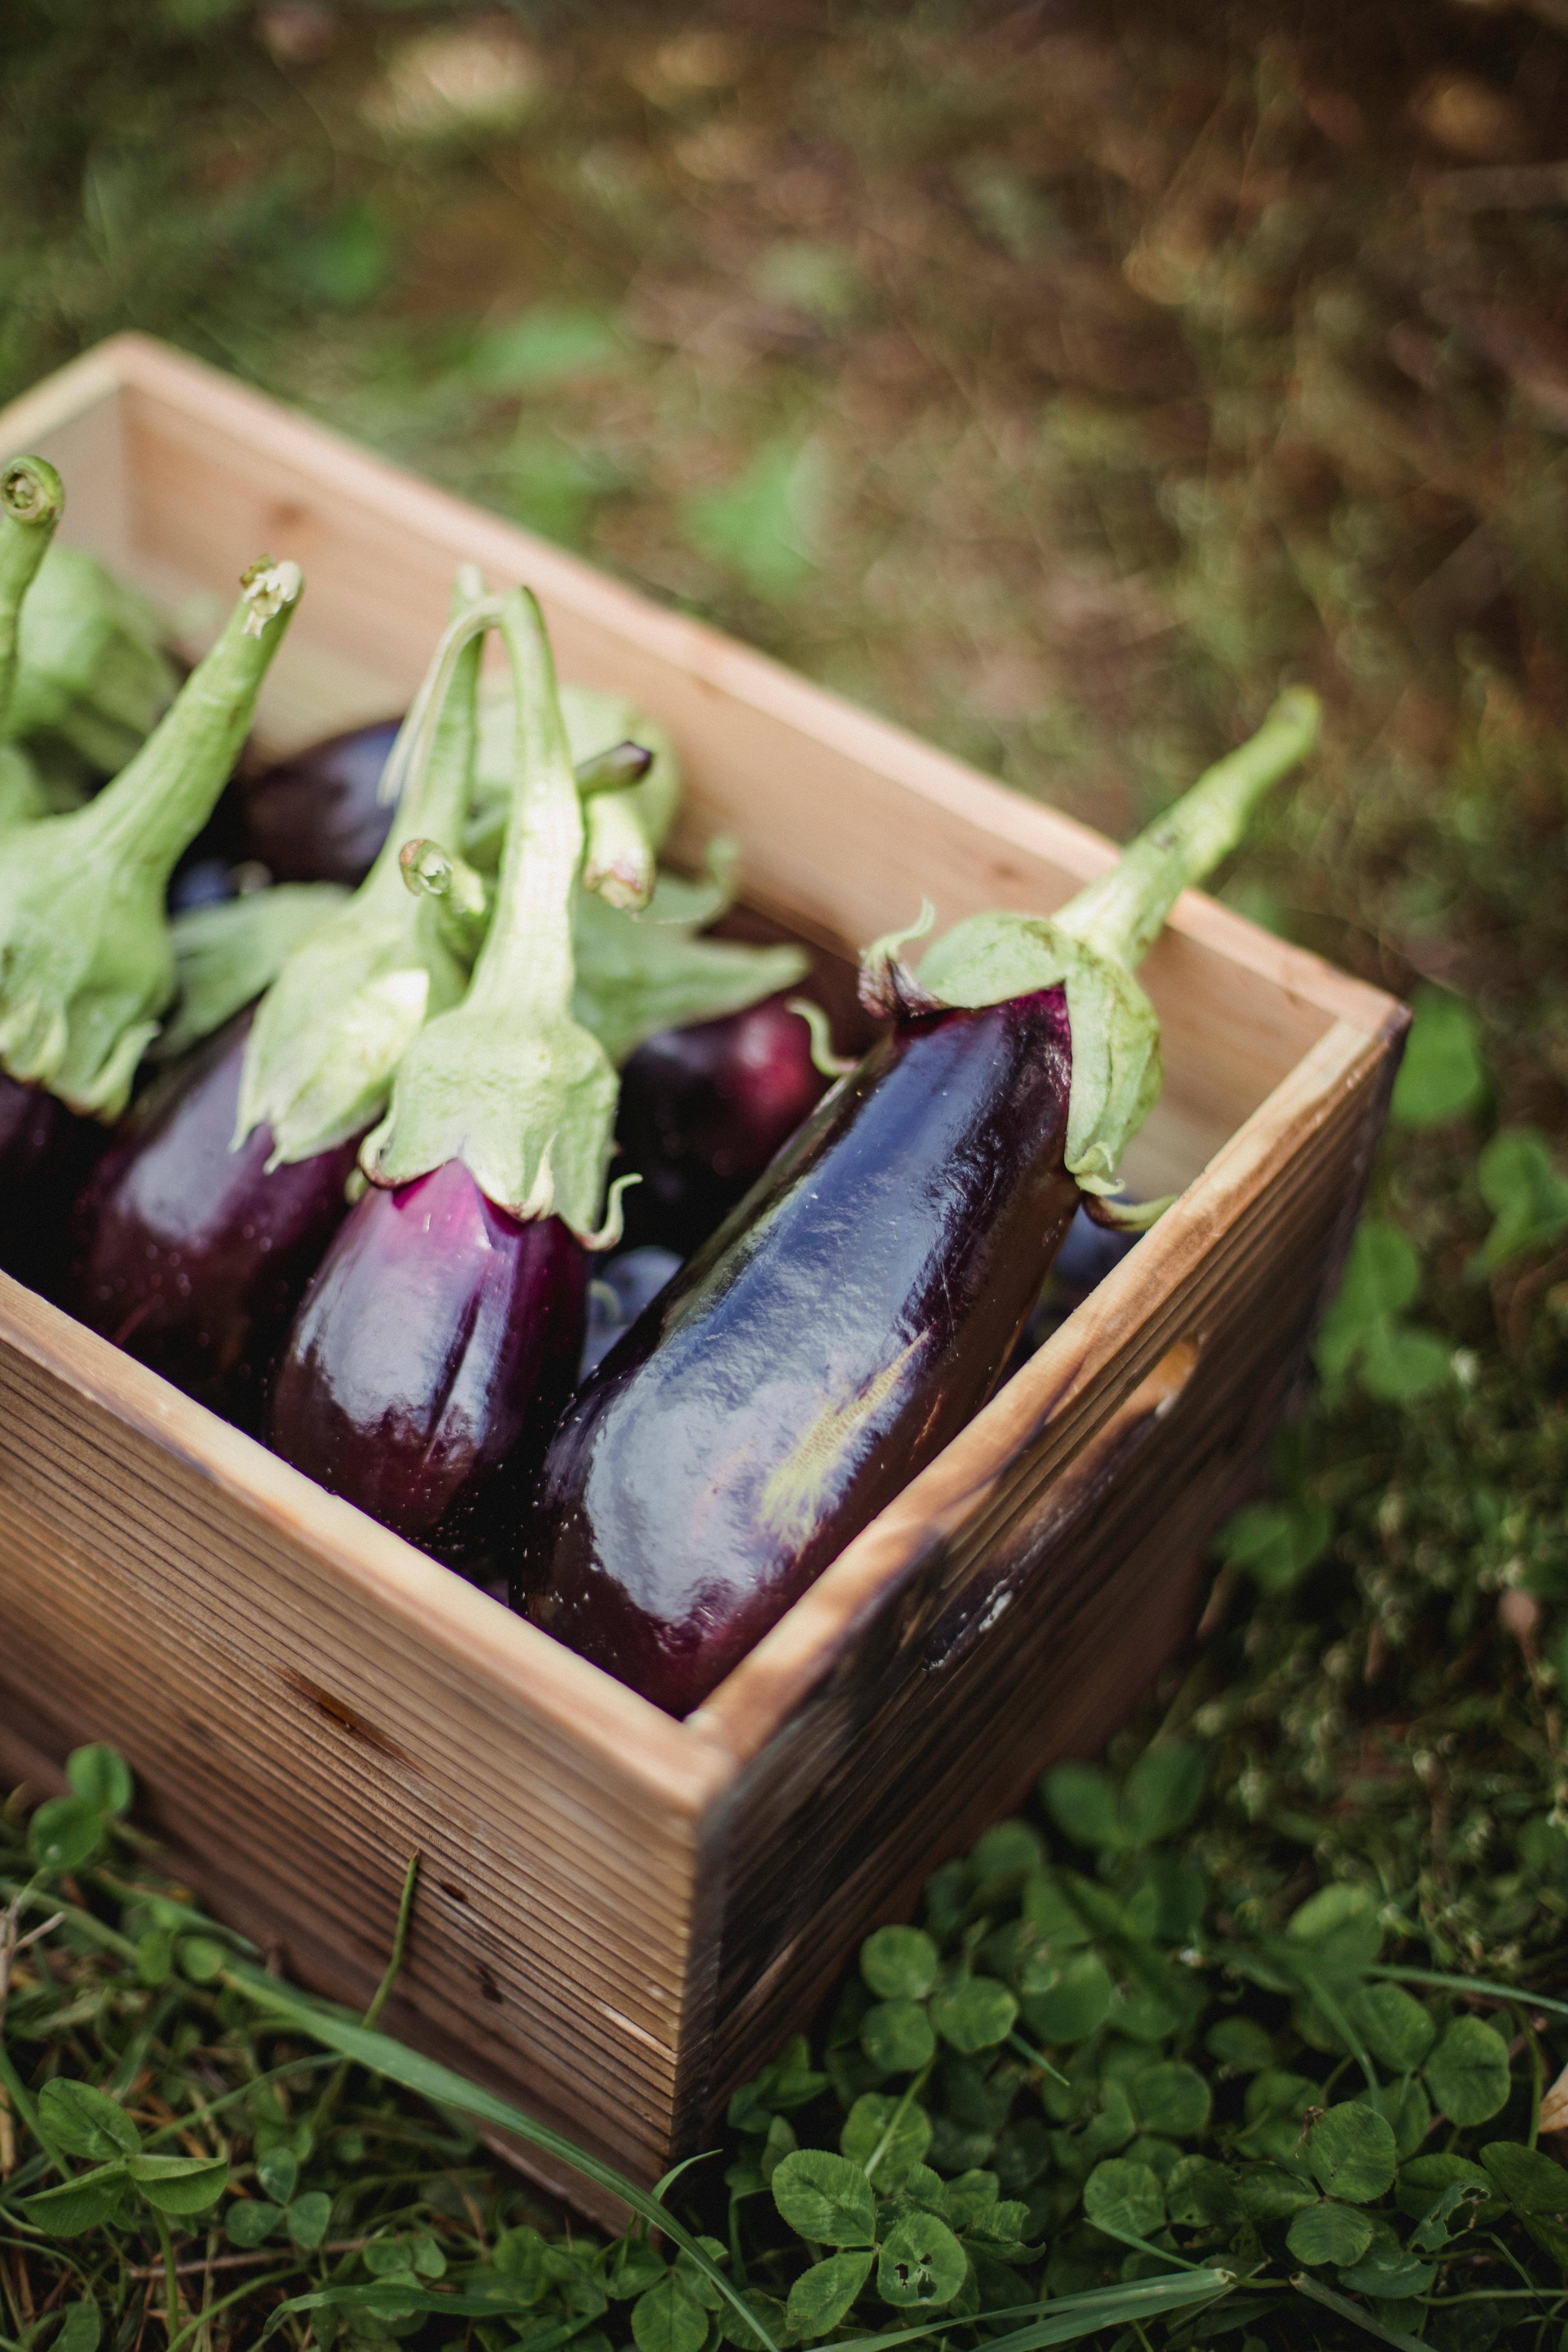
(725, 1449)
(46, 1154)
(319, 817)
(191, 1257)
(702, 1111)
(432, 1357)
(434, 1352)
(865, 1298)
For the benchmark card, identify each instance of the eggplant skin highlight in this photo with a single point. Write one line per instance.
(191, 1257)
(431, 1358)
(827, 1342)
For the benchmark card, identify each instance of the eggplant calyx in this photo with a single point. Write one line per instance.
(348, 1003)
(888, 989)
(508, 1081)
(639, 974)
(87, 964)
(1115, 1035)
(225, 955)
(1092, 945)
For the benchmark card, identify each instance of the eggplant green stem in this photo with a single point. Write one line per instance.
(1121, 914)
(1091, 949)
(87, 961)
(509, 1081)
(337, 1020)
(155, 807)
(526, 972)
(32, 501)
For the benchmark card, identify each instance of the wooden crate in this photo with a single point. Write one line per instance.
(618, 1914)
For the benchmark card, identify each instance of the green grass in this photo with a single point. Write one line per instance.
(1058, 384)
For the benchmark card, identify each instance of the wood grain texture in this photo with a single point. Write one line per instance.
(617, 1913)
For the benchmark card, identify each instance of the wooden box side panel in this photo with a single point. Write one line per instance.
(961, 1679)
(303, 1740)
(842, 820)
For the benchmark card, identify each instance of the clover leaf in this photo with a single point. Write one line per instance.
(821, 2295)
(899, 1963)
(1329, 2234)
(1351, 2151)
(825, 2197)
(1468, 2073)
(897, 2036)
(922, 2263)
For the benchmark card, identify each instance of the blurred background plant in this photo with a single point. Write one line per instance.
(1052, 376)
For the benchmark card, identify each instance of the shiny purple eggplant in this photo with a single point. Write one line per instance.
(827, 1342)
(702, 1111)
(431, 1358)
(865, 1299)
(318, 817)
(435, 1349)
(191, 1257)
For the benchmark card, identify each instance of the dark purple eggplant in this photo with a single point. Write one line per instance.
(827, 1343)
(432, 1357)
(189, 1255)
(435, 1350)
(318, 817)
(703, 1109)
(46, 1154)
(865, 1298)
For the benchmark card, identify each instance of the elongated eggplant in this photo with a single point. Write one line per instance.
(831, 1338)
(438, 1344)
(191, 1257)
(433, 1354)
(862, 1302)
(703, 1109)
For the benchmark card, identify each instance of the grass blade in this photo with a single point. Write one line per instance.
(1363, 2320)
(423, 2076)
(1066, 2318)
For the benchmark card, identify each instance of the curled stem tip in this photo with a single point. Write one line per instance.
(888, 987)
(615, 771)
(1121, 913)
(32, 492)
(824, 1060)
(268, 589)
